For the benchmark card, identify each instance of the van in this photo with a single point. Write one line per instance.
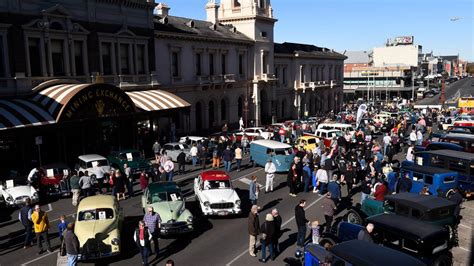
(281, 154)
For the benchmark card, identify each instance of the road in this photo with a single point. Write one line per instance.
(460, 88)
(216, 241)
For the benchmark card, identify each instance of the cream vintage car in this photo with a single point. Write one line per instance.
(98, 224)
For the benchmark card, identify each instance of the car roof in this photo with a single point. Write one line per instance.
(193, 138)
(427, 169)
(55, 166)
(158, 187)
(175, 143)
(459, 136)
(359, 252)
(409, 226)
(271, 144)
(334, 124)
(451, 153)
(91, 157)
(98, 201)
(215, 175)
(422, 202)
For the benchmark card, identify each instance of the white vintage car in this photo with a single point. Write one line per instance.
(15, 196)
(216, 196)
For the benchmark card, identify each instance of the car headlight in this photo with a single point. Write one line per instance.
(115, 241)
(207, 204)
(9, 198)
(35, 195)
(190, 219)
(237, 202)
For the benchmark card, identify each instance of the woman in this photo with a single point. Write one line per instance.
(119, 185)
(112, 182)
(143, 180)
(291, 179)
(142, 237)
(268, 237)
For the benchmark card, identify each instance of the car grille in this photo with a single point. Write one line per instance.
(174, 227)
(225, 205)
(21, 199)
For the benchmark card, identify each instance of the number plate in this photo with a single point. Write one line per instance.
(222, 213)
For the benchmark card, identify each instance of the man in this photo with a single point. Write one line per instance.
(334, 189)
(156, 150)
(270, 170)
(72, 245)
(323, 179)
(365, 187)
(386, 142)
(227, 157)
(277, 221)
(253, 190)
(253, 229)
(419, 138)
(413, 137)
(75, 187)
(169, 168)
(99, 175)
(307, 175)
(181, 160)
(301, 222)
(364, 234)
(129, 180)
(238, 157)
(153, 222)
(411, 153)
(241, 124)
(86, 185)
(41, 226)
(25, 219)
(329, 207)
(194, 154)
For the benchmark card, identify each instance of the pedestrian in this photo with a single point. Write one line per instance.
(194, 154)
(169, 168)
(225, 130)
(144, 180)
(253, 190)
(253, 229)
(156, 150)
(404, 184)
(277, 222)
(411, 153)
(119, 185)
(419, 138)
(366, 187)
(162, 177)
(381, 190)
(41, 227)
(291, 179)
(241, 124)
(163, 158)
(323, 179)
(62, 226)
(75, 187)
(268, 237)
(307, 174)
(245, 143)
(364, 234)
(386, 142)
(169, 263)
(153, 221)
(142, 238)
(71, 242)
(270, 170)
(203, 157)
(113, 183)
(456, 197)
(238, 157)
(227, 157)
(334, 189)
(328, 207)
(24, 215)
(314, 227)
(99, 173)
(301, 222)
(181, 160)
(128, 178)
(86, 185)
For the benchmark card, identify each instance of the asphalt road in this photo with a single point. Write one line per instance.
(460, 88)
(216, 241)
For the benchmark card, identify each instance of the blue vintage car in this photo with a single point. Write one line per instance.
(281, 154)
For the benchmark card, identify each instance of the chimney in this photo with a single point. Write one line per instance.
(162, 9)
(211, 10)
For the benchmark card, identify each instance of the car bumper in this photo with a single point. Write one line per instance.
(20, 203)
(94, 256)
(174, 230)
(221, 212)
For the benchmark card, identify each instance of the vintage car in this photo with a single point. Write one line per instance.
(252, 133)
(216, 196)
(355, 252)
(98, 225)
(174, 149)
(133, 158)
(190, 140)
(281, 154)
(87, 163)
(326, 135)
(167, 200)
(54, 180)
(16, 195)
(307, 142)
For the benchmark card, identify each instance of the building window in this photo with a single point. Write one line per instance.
(124, 59)
(78, 58)
(236, 3)
(263, 34)
(141, 59)
(223, 110)
(312, 73)
(57, 55)
(198, 64)
(211, 64)
(175, 64)
(106, 58)
(283, 74)
(276, 72)
(261, 3)
(240, 106)
(264, 64)
(223, 64)
(241, 64)
(211, 114)
(2, 58)
(302, 74)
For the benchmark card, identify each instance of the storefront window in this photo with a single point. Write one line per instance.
(175, 64)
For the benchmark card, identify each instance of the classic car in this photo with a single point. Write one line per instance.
(216, 196)
(281, 154)
(89, 161)
(167, 200)
(54, 180)
(307, 142)
(133, 158)
(252, 133)
(98, 225)
(174, 149)
(192, 140)
(15, 196)
(326, 135)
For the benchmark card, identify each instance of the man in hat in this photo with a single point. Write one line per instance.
(270, 170)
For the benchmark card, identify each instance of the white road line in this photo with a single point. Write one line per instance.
(248, 181)
(50, 208)
(466, 226)
(285, 223)
(465, 249)
(39, 258)
(57, 219)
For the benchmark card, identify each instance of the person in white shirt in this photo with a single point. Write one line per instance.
(323, 179)
(419, 137)
(241, 124)
(270, 170)
(169, 168)
(194, 154)
(99, 176)
(413, 137)
(386, 142)
(410, 153)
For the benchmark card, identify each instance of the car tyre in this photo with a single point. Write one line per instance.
(443, 260)
(353, 217)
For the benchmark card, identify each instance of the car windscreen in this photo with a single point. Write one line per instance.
(217, 184)
(166, 196)
(286, 151)
(184, 146)
(98, 162)
(96, 214)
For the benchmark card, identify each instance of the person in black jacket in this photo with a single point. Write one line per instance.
(181, 160)
(404, 184)
(25, 218)
(253, 229)
(142, 238)
(277, 221)
(301, 222)
(72, 245)
(268, 237)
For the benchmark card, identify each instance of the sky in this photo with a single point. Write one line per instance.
(363, 24)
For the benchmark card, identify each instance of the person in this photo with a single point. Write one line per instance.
(163, 177)
(75, 187)
(277, 222)
(456, 197)
(169, 263)
(253, 190)
(381, 191)
(181, 160)
(323, 179)
(99, 173)
(301, 221)
(404, 184)
(307, 174)
(386, 142)
(72, 245)
(227, 157)
(334, 189)
(113, 182)
(268, 237)
(142, 238)
(225, 130)
(169, 168)
(329, 208)
(128, 178)
(419, 138)
(153, 222)
(241, 124)
(314, 179)
(291, 179)
(238, 157)
(24, 215)
(314, 226)
(365, 187)
(411, 153)
(156, 150)
(41, 227)
(364, 234)
(143, 180)
(270, 170)
(62, 226)
(194, 154)
(412, 137)
(253, 229)
(119, 185)
(203, 157)
(245, 143)
(425, 191)
(86, 185)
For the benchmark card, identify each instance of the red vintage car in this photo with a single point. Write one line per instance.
(464, 121)
(54, 180)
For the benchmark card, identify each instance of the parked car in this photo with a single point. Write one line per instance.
(98, 227)
(338, 126)
(215, 194)
(281, 154)
(192, 140)
(16, 195)
(89, 161)
(173, 149)
(307, 142)
(54, 180)
(133, 158)
(253, 133)
(167, 200)
(326, 135)
(464, 120)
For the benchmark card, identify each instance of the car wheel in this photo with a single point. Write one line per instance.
(327, 242)
(443, 260)
(353, 217)
(449, 193)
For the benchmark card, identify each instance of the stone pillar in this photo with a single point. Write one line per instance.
(256, 99)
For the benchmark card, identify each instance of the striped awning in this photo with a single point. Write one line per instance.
(156, 100)
(17, 113)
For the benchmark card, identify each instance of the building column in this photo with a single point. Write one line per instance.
(256, 99)
(43, 58)
(114, 56)
(27, 53)
(85, 58)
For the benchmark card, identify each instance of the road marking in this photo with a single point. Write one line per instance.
(248, 181)
(39, 258)
(285, 223)
(57, 219)
(50, 208)
(466, 226)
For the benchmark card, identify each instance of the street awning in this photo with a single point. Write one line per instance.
(55, 97)
(17, 113)
(156, 100)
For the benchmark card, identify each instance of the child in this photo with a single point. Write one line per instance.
(314, 226)
(62, 226)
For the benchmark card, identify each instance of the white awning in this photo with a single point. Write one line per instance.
(156, 100)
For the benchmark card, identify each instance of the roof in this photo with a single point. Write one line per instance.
(357, 57)
(158, 187)
(453, 154)
(422, 202)
(307, 137)
(215, 175)
(306, 50)
(271, 144)
(427, 169)
(91, 157)
(408, 226)
(98, 201)
(359, 252)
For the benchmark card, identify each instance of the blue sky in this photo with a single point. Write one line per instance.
(364, 24)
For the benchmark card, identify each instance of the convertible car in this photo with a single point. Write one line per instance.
(15, 196)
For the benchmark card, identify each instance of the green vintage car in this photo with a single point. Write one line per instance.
(133, 158)
(167, 201)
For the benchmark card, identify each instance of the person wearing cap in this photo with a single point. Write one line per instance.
(267, 237)
(270, 170)
(253, 229)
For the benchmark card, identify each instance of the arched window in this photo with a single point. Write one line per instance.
(223, 110)
(198, 116)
